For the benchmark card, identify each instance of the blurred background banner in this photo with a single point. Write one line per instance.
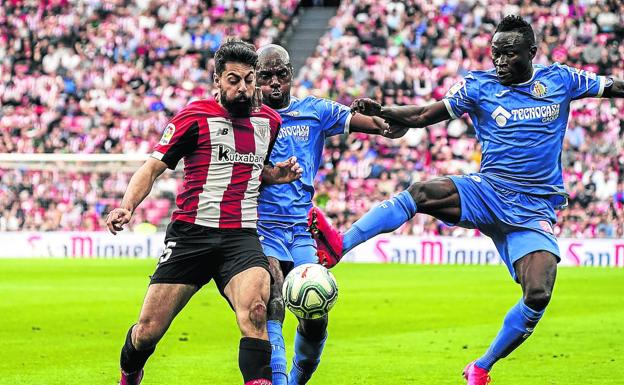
(382, 249)
(83, 244)
(479, 250)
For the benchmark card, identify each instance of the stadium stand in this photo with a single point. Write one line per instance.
(103, 77)
(412, 52)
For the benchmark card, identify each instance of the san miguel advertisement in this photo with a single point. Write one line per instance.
(382, 249)
(479, 250)
(80, 245)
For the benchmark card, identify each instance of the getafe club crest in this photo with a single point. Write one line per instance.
(539, 89)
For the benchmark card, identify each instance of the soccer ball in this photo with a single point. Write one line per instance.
(310, 291)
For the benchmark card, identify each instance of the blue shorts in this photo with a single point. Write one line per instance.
(287, 243)
(518, 223)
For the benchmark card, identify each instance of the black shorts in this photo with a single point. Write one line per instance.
(196, 254)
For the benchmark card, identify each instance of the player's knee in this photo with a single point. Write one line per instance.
(146, 334)
(537, 298)
(258, 315)
(432, 192)
(417, 191)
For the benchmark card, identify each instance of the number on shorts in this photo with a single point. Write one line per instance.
(167, 252)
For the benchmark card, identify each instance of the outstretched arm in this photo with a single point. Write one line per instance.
(407, 116)
(616, 90)
(139, 187)
(283, 172)
(374, 125)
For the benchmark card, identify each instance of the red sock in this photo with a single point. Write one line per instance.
(260, 381)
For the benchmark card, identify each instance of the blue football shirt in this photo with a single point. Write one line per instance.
(305, 125)
(521, 127)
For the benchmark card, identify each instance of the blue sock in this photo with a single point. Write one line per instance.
(306, 359)
(517, 327)
(278, 354)
(383, 218)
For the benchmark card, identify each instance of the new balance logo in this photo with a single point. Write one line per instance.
(227, 155)
(500, 116)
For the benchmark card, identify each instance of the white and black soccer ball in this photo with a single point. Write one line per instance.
(310, 291)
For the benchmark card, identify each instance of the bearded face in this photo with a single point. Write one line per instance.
(236, 86)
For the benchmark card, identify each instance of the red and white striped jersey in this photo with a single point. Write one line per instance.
(223, 161)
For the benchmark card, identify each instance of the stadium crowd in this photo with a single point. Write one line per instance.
(103, 77)
(412, 52)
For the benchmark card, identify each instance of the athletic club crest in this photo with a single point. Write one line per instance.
(261, 125)
(539, 89)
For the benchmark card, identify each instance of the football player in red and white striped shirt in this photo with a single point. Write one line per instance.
(225, 144)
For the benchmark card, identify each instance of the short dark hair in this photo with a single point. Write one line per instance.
(234, 50)
(514, 23)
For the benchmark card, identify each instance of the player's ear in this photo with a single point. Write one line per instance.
(533, 51)
(215, 79)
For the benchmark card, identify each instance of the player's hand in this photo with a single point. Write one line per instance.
(287, 171)
(366, 106)
(117, 218)
(394, 131)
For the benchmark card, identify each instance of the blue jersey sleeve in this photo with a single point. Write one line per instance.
(334, 117)
(581, 83)
(463, 97)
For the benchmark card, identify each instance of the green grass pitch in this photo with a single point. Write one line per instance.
(64, 321)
